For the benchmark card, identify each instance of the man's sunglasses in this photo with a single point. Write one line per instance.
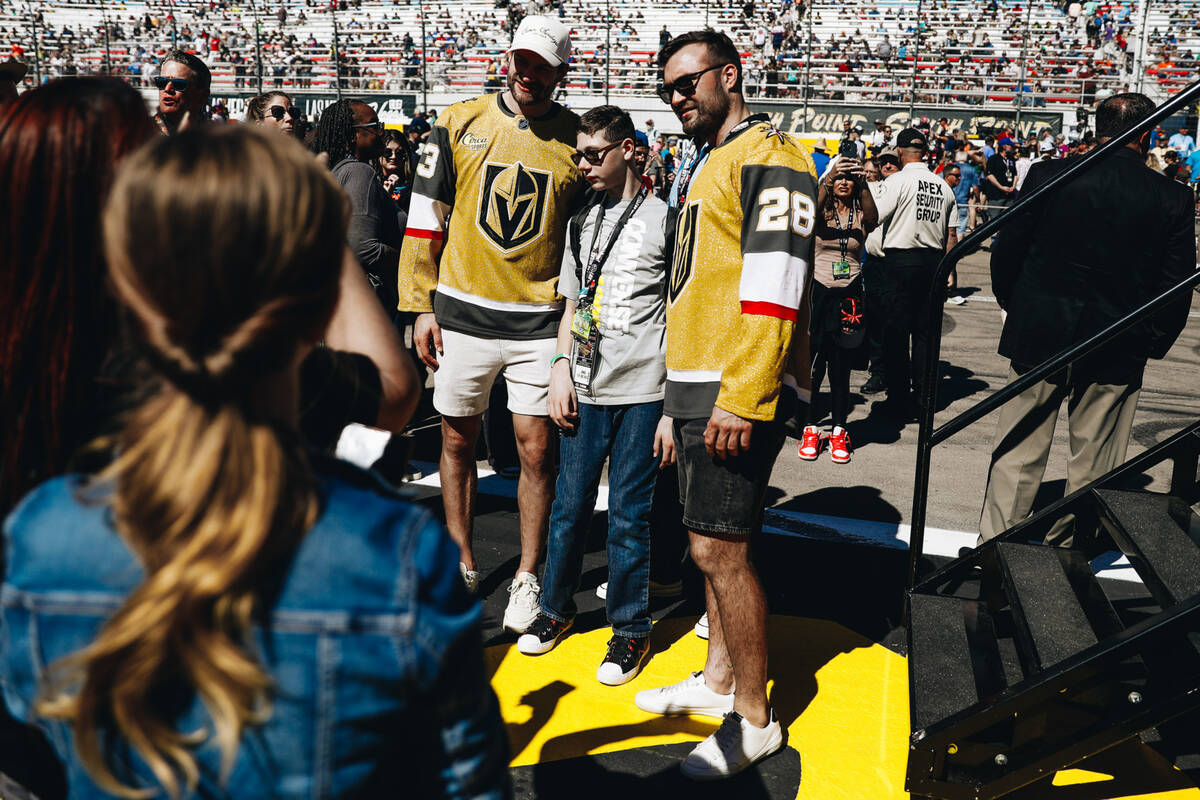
(181, 84)
(685, 85)
(376, 126)
(279, 112)
(594, 157)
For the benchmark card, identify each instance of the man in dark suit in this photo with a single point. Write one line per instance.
(1082, 258)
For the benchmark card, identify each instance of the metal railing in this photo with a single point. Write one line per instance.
(928, 436)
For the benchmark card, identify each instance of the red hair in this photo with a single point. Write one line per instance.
(59, 146)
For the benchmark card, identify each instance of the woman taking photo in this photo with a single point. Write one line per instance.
(848, 214)
(222, 611)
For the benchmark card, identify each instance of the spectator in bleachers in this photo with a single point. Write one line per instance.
(183, 87)
(196, 578)
(1182, 142)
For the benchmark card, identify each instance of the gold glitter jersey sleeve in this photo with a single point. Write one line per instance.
(738, 294)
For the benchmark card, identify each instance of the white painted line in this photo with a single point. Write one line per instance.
(818, 527)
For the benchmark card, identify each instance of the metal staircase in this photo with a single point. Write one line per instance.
(1021, 662)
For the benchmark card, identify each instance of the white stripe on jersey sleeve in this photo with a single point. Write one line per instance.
(775, 278)
(497, 305)
(425, 213)
(694, 375)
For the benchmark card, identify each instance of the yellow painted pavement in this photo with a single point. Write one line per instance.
(842, 698)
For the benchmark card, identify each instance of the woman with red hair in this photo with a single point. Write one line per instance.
(59, 147)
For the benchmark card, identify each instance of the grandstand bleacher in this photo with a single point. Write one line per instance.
(986, 53)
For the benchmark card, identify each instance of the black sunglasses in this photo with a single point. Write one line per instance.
(685, 85)
(594, 157)
(376, 126)
(181, 84)
(278, 112)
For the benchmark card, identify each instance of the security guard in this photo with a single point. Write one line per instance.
(919, 217)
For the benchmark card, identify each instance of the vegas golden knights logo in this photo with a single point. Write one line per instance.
(685, 251)
(512, 204)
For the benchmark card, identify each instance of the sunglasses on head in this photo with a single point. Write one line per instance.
(181, 84)
(279, 112)
(685, 85)
(376, 126)
(593, 157)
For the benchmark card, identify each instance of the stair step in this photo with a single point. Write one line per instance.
(1154, 531)
(1051, 624)
(951, 639)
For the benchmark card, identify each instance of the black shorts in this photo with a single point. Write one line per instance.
(725, 497)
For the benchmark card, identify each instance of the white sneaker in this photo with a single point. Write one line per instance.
(656, 589)
(734, 746)
(524, 602)
(689, 696)
(470, 577)
(701, 628)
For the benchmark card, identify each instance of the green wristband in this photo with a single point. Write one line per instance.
(557, 356)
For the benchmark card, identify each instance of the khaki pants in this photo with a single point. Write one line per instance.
(1099, 418)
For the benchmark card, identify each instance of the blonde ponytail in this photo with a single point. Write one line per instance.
(212, 490)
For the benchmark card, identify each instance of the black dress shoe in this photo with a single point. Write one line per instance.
(874, 384)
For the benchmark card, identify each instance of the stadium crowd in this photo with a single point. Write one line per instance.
(199, 306)
(976, 52)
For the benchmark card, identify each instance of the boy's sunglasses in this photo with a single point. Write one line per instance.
(181, 84)
(594, 157)
(376, 126)
(685, 85)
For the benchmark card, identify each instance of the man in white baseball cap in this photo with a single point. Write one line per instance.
(545, 36)
(485, 292)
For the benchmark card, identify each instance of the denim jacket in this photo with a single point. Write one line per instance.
(372, 643)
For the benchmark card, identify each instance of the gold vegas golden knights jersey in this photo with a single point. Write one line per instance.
(738, 294)
(491, 198)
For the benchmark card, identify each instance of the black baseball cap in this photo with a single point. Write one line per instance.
(911, 137)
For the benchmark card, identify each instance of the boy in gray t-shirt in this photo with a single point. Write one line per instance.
(606, 393)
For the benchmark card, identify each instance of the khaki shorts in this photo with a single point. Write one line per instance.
(469, 366)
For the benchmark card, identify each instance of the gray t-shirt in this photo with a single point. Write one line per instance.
(630, 296)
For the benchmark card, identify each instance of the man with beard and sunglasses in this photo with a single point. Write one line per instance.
(183, 83)
(737, 375)
(486, 288)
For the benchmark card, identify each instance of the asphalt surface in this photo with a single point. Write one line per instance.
(878, 483)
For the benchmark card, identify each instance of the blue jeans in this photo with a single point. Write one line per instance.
(963, 214)
(625, 436)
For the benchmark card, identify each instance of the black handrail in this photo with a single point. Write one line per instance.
(927, 437)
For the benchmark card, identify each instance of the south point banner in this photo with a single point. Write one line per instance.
(829, 118)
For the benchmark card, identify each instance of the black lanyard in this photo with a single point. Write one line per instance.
(591, 275)
(843, 235)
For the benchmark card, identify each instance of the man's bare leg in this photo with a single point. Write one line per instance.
(718, 670)
(742, 619)
(460, 480)
(535, 489)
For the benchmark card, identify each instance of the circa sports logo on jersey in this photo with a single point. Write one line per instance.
(512, 204)
(473, 141)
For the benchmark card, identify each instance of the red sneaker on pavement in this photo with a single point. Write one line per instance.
(839, 446)
(810, 445)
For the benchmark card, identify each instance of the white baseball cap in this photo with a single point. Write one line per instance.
(545, 36)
